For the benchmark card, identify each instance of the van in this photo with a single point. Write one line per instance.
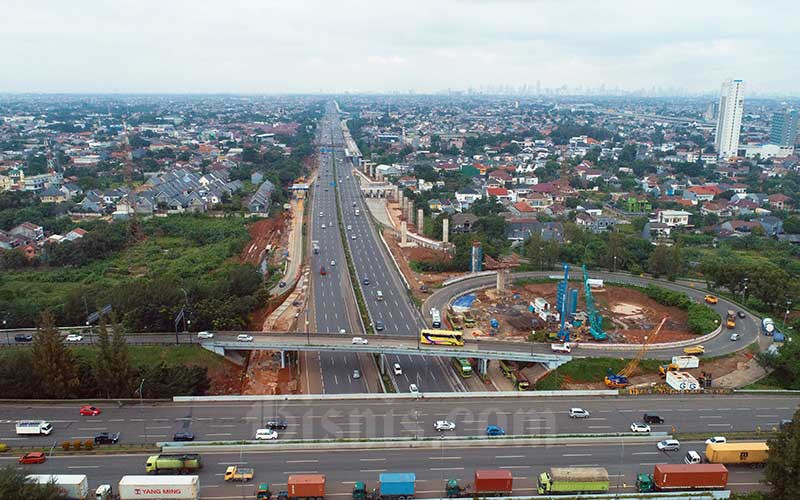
(692, 457)
(379, 295)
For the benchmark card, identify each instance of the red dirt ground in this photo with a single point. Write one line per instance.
(262, 233)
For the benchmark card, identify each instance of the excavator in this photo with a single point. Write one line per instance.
(620, 380)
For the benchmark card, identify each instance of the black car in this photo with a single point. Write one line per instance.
(652, 418)
(183, 436)
(379, 325)
(106, 438)
(276, 424)
(22, 337)
(741, 314)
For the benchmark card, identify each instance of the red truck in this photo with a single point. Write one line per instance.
(679, 477)
(304, 486)
(487, 483)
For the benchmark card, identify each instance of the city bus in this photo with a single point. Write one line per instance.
(436, 318)
(463, 367)
(441, 337)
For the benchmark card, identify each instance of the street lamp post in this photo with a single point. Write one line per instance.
(140, 390)
(8, 339)
(308, 332)
(786, 314)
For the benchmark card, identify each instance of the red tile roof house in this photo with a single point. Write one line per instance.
(779, 201)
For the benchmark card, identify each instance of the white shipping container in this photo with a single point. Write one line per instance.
(159, 488)
(684, 362)
(72, 486)
(681, 381)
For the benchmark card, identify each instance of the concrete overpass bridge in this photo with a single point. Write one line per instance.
(482, 350)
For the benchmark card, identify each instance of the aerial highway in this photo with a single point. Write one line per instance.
(432, 467)
(398, 417)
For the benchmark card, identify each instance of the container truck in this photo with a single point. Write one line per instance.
(159, 488)
(573, 480)
(304, 486)
(175, 464)
(70, 486)
(754, 453)
(671, 477)
(487, 483)
(34, 427)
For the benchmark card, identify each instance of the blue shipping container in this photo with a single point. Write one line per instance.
(398, 483)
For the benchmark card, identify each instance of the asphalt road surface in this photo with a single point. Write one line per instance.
(388, 417)
(432, 467)
(332, 297)
(395, 311)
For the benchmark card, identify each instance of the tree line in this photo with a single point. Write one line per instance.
(50, 369)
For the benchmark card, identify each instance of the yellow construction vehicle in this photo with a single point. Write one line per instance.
(620, 379)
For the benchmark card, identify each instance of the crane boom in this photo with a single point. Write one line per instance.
(621, 378)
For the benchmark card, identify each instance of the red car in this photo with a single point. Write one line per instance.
(90, 411)
(322, 271)
(34, 457)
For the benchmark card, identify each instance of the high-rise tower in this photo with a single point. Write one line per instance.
(729, 119)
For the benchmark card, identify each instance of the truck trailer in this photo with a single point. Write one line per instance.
(487, 483)
(573, 480)
(396, 485)
(304, 486)
(754, 453)
(175, 464)
(70, 486)
(681, 477)
(159, 488)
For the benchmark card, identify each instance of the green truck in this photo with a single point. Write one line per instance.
(173, 464)
(573, 480)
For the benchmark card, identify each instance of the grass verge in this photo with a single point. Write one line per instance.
(590, 370)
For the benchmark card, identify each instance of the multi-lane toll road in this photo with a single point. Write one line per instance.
(394, 417)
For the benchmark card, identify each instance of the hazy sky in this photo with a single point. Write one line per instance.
(261, 46)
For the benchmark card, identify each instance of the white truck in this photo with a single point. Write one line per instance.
(34, 427)
(565, 347)
(70, 486)
(159, 488)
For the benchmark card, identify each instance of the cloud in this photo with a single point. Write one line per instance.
(277, 46)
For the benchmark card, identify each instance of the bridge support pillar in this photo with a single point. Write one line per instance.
(404, 232)
(283, 359)
(409, 210)
(483, 366)
(420, 221)
(445, 230)
(401, 199)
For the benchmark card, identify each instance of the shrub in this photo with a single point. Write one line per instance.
(77, 444)
(65, 445)
(702, 319)
(88, 444)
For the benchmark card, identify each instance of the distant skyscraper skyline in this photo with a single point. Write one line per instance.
(784, 128)
(729, 118)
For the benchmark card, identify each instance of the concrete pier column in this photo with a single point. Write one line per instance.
(445, 230)
(420, 221)
(283, 359)
(403, 233)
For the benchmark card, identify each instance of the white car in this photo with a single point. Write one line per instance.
(413, 389)
(578, 413)
(323, 226)
(444, 425)
(668, 445)
(320, 214)
(397, 369)
(333, 263)
(74, 337)
(349, 227)
(636, 427)
(360, 341)
(352, 236)
(243, 337)
(266, 434)
(205, 335)
(716, 440)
